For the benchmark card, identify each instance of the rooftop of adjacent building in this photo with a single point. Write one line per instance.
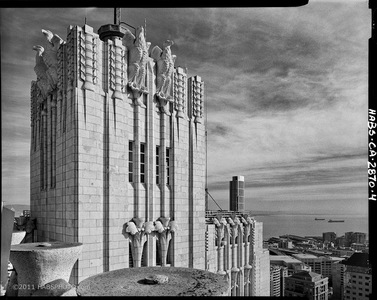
(358, 260)
(324, 257)
(238, 178)
(285, 258)
(276, 267)
(307, 276)
(305, 256)
(227, 214)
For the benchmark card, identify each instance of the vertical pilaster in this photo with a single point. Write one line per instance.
(118, 137)
(197, 180)
(88, 50)
(53, 140)
(163, 163)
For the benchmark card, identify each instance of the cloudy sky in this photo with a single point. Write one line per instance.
(286, 95)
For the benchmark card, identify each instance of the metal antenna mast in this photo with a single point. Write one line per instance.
(117, 13)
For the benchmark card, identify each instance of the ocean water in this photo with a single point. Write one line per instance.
(306, 225)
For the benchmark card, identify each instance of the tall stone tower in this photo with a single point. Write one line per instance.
(237, 193)
(117, 151)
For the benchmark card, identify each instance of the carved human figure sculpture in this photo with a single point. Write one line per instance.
(138, 49)
(40, 69)
(50, 55)
(46, 63)
(165, 67)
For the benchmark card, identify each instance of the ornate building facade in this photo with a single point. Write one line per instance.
(117, 151)
(118, 158)
(234, 247)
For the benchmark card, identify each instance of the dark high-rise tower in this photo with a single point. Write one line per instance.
(237, 193)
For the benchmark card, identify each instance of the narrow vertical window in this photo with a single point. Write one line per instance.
(130, 161)
(142, 162)
(168, 166)
(157, 164)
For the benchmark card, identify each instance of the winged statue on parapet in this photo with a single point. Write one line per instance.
(165, 67)
(50, 55)
(41, 70)
(46, 62)
(138, 49)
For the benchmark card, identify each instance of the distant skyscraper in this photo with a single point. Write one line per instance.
(237, 194)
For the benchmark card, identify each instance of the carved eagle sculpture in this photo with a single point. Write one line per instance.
(165, 67)
(138, 49)
(43, 80)
(50, 54)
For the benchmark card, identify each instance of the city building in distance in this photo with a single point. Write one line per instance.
(237, 193)
(277, 280)
(311, 285)
(357, 277)
(354, 237)
(319, 264)
(293, 265)
(329, 237)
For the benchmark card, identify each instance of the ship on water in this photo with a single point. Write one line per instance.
(332, 221)
(318, 219)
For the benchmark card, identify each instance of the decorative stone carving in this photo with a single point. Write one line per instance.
(87, 59)
(71, 66)
(165, 68)
(138, 49)
(116, 72)
(43, 78)
(163, 230)
(220, 224)
(116, 61)
(61, 84)
(197, 92)
(233, 246)
(50, 55)
(137, 230)
(180, 91)
(234, 225)
(247, 228)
